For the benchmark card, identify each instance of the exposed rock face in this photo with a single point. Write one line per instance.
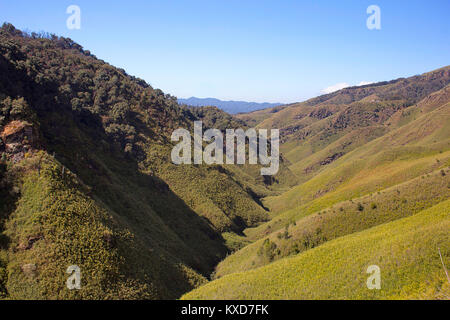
(321, 113)
(18, 138)
(330, 159)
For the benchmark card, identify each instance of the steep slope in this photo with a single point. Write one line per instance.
(419, 146)
(321, 130)
(255, 117)
(406, 251)
(86, 179)
(56, 225)
(79, 136)
(289, 237)
(388, 178)
(407, 151)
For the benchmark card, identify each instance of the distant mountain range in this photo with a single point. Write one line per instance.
(232, 107)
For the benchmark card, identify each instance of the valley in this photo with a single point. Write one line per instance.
(87, 179)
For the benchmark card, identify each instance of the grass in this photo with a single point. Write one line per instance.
(234, 241)
(363, 181)
(116, 147)
(394, 176)
(406, 251)
(398, 156)
(342, 219)
(351, 180)
(56, 225)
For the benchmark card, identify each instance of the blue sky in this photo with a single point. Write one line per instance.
(275, 51)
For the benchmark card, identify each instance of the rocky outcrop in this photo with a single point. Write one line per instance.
(17, 139)
(321, 113)
(330, 159)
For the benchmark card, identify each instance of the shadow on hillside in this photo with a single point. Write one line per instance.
(8, 200)
(79, 142)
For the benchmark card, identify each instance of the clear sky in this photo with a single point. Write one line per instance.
(274, 51)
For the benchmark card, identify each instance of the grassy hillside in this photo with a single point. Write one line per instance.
(405, 151)
(56, 225)
(255, 117)
(59, 221)
(111, 132)
(86, 179)
(290, 237)
(396, 175)
(406, 251)
(319, 131)
(363, 160)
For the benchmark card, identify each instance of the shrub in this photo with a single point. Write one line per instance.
(268, 250)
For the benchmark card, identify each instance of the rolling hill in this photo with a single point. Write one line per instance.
(405, 250)
(365, 157)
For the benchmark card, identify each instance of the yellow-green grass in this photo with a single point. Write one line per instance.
(309, 166)
(351, 181)
(235, 242)
(255, 117)
(341, 219)
(425, 137)
(58, 224)
(405, 250)
(399, 156)
(357, 122)
(286, 117)
(324, 141)
(318, 138)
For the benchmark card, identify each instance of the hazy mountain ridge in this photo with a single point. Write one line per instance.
(231, 107)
